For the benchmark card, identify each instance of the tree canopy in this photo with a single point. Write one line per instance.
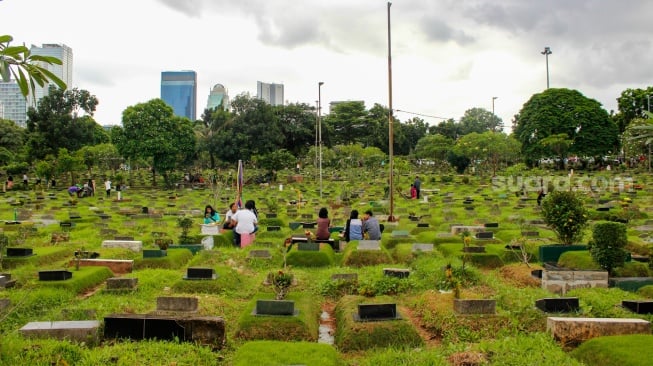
(565, 111)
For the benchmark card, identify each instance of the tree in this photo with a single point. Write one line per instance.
(297, 124)
(12, 136)
(68, 163)
(213, 121)
(643, 133)
(566, 215)
(565, 111)
(632, 104)
(434, 147)
(152, 131)
(608, 243)
(559, 144)
(56, 123)
(348, 123)
(479, 120)
(448, 128)
(18, 61)
(489, 149)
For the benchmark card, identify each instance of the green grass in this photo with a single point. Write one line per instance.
(304, 258)
(624, 350)
(176, 258)
(82, 279)
(273, 353)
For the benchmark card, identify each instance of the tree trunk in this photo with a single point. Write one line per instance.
(153, 177)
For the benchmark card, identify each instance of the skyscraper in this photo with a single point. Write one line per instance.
(63, 71)
(13, 105)
(179, 90)
(217, 96)
(271, 93)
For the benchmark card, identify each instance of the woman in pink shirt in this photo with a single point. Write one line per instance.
(323, 224)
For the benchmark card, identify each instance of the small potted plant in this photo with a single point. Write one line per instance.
(185, 223)
(281, 282)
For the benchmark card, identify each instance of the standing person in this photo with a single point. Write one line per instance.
(413, 192)
(245, 224)
(25, 181)
(418, 186)
(210, 215)
(107, 186)
(371, 226)
(354, 227)
(10, 182)
(323, 224)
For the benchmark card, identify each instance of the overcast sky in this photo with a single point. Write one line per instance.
(447, 55)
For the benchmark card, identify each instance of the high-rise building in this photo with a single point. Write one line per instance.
(218, 96)
(179, 90)
(13, 105)
(271, 93)
(63, 71)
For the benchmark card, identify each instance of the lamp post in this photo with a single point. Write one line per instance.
(391, 218)
(493, 99)
(546, 53)
(319, 123)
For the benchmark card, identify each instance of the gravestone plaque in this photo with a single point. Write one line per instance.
(396, 272)
(530, 233)
(423, 224)
(474, 306)
(485, 235)
(197, 273)
(55, 275)
(274, 228)
(271, 215)
(260, 253)
(369, 245)
(491, 224)
(376, 312)
(174, 303)
(558, 305)
(19, 252)
(124, 238)
(4, 303)
(121, 283)
(308, 225)
(308, 246)
(400, 234)
(638, 306)
(422, 247)
(275, 307)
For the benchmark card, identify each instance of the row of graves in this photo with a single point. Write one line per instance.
(432, 226)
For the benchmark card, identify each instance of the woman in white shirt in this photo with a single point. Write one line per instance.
(245, 224)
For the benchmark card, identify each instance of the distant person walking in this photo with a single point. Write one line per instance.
(418, 187)
(107, 187)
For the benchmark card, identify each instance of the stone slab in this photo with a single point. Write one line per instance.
(121, 283)
(558, 305)
(77, 330)
(369, 245)
(55, 275)
(133, 245)
(376, 312)
(260, 253)
(344, 277)
(210, 230)
(422, 247)
(572, 331)
(199, 273)
(474, 306)
(117, 266)
(458, 229)
(173, 303)
(396, 272)
(275, 307)
(638, 306)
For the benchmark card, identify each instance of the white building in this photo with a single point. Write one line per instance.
(271, 93)
(63, 71)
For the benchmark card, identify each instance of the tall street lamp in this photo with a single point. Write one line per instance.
(546, 53)
(319, 123)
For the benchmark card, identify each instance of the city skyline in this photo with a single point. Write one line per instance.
(447, 56)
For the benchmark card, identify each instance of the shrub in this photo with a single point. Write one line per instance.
(578, 260)
(606, 246)
(622, 350)
(566, 214)
(646, 291)
(632, 269)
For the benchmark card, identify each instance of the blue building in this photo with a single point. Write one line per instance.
(179, 90)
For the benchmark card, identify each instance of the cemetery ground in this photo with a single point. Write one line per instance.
(446, 285)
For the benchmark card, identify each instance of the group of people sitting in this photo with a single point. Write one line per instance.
(242, 222)
(245, 223)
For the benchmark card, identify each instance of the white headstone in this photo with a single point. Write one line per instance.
(369, 245)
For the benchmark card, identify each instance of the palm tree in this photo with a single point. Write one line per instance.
(18, 61)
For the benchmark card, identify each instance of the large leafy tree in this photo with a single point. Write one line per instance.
(151, 131)
(56, 123)
(448, 128)
(213, 121)
(12, 136)
(479, 120)
(297, 124)
(347, 123)
(632, 103)
(17, 62)
(641, 135)
(489, 149)
(434, 147)
(565, 111)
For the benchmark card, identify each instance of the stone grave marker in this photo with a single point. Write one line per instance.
(19, 252)
(77, 330)
(55, 275)
(558, 305)
(173, 303)
(474, 306)
(260, 253)
(198, 273)
(485, 235)
(638, 306)
(400, 234)
(121, 283)
(369, 245)
(376, 312)
(422, 247)
(275, 307)
(274, 228)
(344, 277)
(422, 224)
(4, 303)
(308, 246)
(396, 272)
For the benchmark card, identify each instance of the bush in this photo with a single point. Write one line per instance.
(565, 213)
(577, 260)
(606, 246)
(623, 350)
(632, 269)
(646, 291)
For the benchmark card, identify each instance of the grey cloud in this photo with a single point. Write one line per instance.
(436, 30)
(191, 8)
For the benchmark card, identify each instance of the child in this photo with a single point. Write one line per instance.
(413, 192)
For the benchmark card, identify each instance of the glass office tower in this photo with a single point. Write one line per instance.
(63, 71)
(179, 90)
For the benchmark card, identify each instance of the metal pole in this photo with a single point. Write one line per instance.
(391, 218)
(546, 53)
(319, 121)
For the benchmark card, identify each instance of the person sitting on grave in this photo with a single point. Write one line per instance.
(371, 227)
(354, 227)
(228, 224)
(245, 221)
(323, 224)
(210, 215)
(413, 192)
(73, 191)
